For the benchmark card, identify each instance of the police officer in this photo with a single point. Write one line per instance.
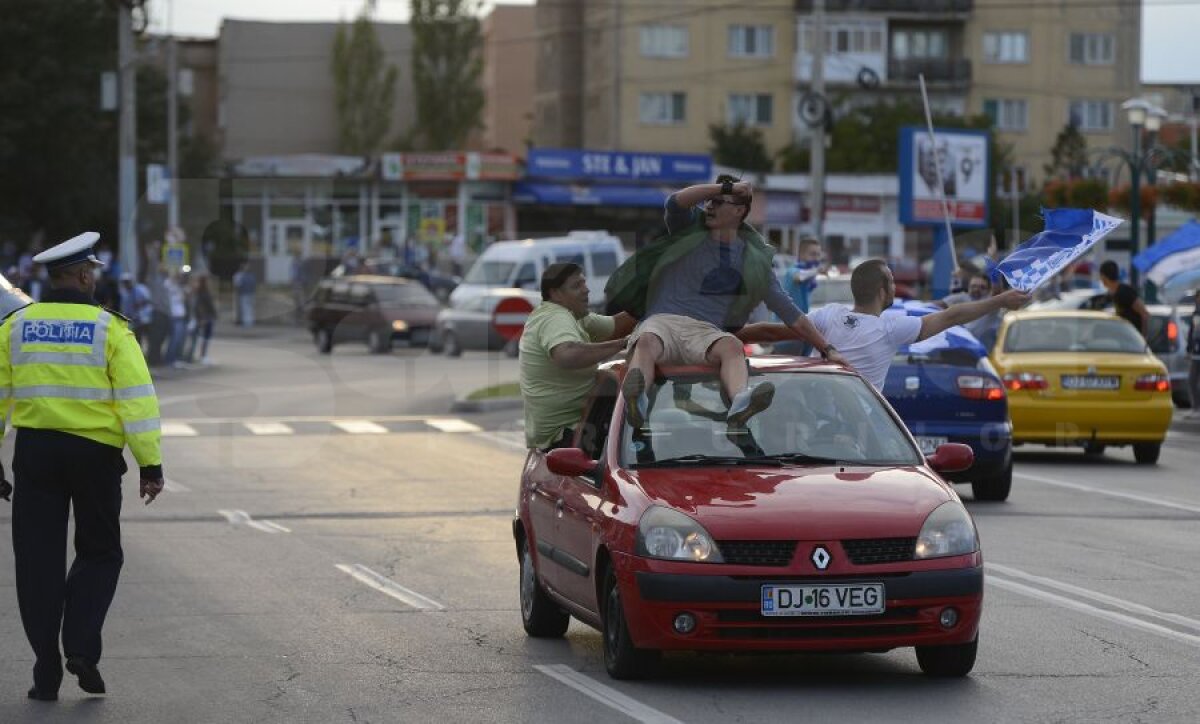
(79, 392)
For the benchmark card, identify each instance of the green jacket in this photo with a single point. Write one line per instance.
(634, 283)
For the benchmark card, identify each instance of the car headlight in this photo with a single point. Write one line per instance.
(669, 534)
(948, 531)
(399, 325)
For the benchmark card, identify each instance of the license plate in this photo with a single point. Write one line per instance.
(837, 599)
(929, 445)
(418, 337)
(1090, 382)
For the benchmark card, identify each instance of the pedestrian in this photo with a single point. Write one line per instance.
(244, 286)
(1125, 299)
(159, 329)
(177, 308)
(800, 281)
(203, 314)
(1194, 367)
(136, 306)
(69, 456)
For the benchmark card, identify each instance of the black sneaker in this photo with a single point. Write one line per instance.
(748, 403)
(89, 676)
(634, 391)
(40, 695)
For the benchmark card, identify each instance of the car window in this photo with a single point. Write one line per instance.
(604, 262)
(572, 256)
(830, 291)
(1073, 334)
(951, 356)
(408, 294)
(594, 433)
(526, 276)
(490, 273)
(820, 414)
(1157, 336)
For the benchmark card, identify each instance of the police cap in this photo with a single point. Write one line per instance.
(71, 252)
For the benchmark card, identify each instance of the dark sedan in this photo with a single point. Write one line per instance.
(380, 311)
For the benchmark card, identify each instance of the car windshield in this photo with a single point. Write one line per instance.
(409, 294)
(492, 273)
(814, 417)
(1073, 334)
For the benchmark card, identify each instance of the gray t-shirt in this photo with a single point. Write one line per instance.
(705, 284)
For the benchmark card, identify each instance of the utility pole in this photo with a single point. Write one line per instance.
(173, 131)
(615, 136)
(1015, 200)
(817, 146)
(127, 142)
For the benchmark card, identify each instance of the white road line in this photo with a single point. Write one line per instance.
(360, 427)
(1112, 616)
(606, 695)
(268, 428)
(1147, 499)
(241, 517)
(453, 425)
(174, 486)
(1130, 606)
(178, 429)
(385, 585)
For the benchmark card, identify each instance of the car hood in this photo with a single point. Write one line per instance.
(743, 503)
(418, 316)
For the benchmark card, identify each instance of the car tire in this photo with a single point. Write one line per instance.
(450, 345)
(541, 617)
(324, 339)
(378, 342)
(512, 348)
(993, 488)
(621, 659)
(952, 661)
(1094, 449)
(1146, 453)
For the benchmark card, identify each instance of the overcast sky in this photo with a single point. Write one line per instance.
(1170, 52)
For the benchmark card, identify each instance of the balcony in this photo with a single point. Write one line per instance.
(893, 7)
(954, 73)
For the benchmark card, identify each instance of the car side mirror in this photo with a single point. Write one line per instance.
(571, 462)
(951, 457)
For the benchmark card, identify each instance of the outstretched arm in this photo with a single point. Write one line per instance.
(932, 324)
(578, 355)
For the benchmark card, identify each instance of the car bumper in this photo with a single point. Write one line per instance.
(1058, 421)
(728, 611)
(412, 337)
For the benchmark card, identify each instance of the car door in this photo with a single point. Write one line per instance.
(543, 489)
(475, 322)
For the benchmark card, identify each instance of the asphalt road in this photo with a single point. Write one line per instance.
(334, 546)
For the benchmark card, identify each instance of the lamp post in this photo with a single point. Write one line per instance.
(1141, 114)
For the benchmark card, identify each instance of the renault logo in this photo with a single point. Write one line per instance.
(820, 558)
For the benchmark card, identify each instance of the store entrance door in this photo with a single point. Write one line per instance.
(283, 238)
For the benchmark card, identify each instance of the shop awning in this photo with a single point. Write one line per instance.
(551, 194)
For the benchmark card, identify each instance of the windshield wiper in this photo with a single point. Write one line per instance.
(800, 458)
(701, 459)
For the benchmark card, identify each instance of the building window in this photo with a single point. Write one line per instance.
(1093, 48)
(751, 41)
(750, 109)
(664, 41)
(1006, 47)
(844, 37)
(919, 44)
(1091, 115)
(1007, 114)
(663, 109)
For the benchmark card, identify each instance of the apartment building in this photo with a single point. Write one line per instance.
(1041, 65)
(509, 57)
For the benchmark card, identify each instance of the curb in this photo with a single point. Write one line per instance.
(462, 404)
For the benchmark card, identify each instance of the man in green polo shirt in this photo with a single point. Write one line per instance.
(561, 346)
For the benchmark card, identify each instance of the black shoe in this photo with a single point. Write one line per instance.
(38, 695)
(89, 676)
(634, 390)
(748, 403)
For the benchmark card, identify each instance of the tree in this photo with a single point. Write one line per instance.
(447, 67)
(1068, 156)
(739, 146)
(364, 86)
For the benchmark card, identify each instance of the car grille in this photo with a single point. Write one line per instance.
(757, 552)
(763, 633)
(866, 551)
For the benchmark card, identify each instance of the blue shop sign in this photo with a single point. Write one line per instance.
(551, 163)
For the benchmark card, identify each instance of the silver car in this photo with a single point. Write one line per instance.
(469, 325)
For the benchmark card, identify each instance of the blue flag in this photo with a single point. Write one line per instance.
(1069, 234)
(1174, 254)
(953, 338)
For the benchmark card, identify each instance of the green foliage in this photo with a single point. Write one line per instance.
(447, 66)
(1068, 156)
(364, 87)
(867, 139)
(1183, 195)
(740, 147)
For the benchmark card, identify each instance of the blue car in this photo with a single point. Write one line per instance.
(945, 390)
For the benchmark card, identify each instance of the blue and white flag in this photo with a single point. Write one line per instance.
(1069, 234)
(1174, 254)
(953, 338)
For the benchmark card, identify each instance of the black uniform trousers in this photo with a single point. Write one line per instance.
(53, 471)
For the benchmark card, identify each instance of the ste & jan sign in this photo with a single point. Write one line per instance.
(617, 166)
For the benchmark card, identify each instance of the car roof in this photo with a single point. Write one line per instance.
(1058, 313)
(762, 363)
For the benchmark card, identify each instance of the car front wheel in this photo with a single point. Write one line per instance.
(541, 617)
(1146, 453)
(995, 487)
(951, 661)
(621, 658)
(451, 346)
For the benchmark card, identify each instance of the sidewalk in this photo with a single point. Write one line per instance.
(1179, 423)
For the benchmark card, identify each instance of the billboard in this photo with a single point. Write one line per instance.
(963, 158)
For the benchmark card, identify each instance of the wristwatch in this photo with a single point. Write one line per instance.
(726, 187)
(828, 348)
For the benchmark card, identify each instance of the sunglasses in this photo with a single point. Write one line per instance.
(716, 203)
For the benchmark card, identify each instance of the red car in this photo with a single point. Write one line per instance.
(817, 527)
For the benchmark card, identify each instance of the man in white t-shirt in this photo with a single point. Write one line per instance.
(867, 338)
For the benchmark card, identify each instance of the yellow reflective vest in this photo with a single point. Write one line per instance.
(77, 368)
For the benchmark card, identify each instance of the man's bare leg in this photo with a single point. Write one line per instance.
(744, 402)
(647, 351)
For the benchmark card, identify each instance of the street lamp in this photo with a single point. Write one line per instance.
(1141, 113)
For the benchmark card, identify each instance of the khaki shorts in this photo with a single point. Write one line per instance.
(686, 341)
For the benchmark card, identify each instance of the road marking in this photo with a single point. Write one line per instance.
(174, 486)
(606, 695)
(360, 427)
(453, 425)
(1149, 500)
(268, 428)
(241, 517)
(383, 584)
(178, 429)
(1103, 613)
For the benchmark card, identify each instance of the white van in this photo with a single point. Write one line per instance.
(519, 264)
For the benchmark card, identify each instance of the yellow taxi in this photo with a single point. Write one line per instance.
(1082, 378)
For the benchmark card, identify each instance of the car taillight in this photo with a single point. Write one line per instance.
(1172, 330)
(1153, 383)
(1024, 381)
(978, 387)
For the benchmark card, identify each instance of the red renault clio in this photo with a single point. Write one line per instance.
(818, 526)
